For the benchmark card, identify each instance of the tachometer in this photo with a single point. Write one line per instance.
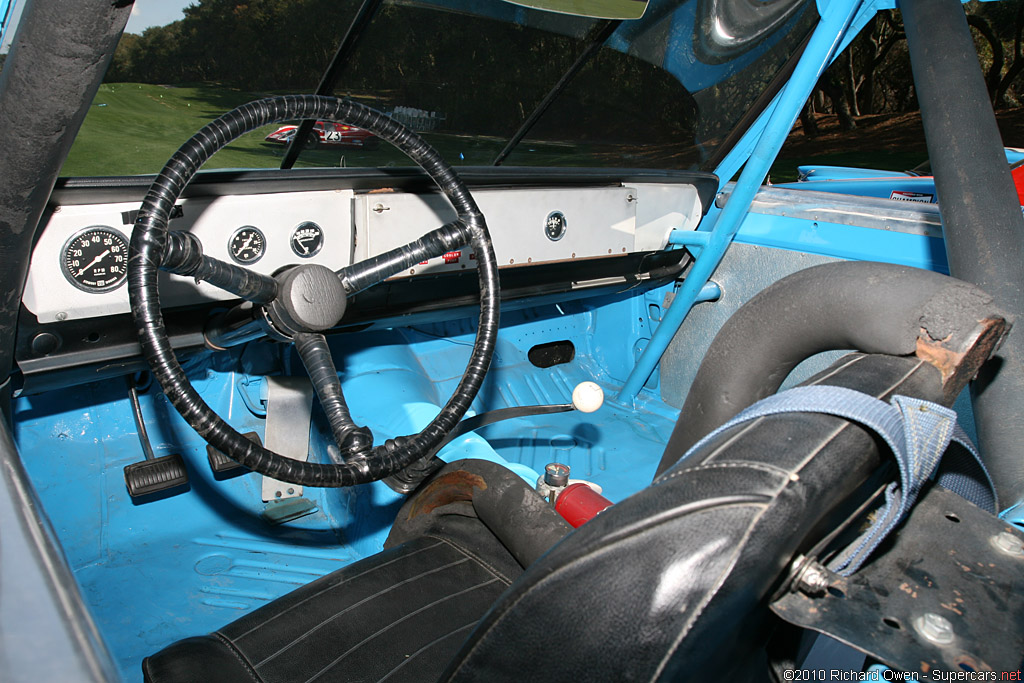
(247, 245)
(96, 259)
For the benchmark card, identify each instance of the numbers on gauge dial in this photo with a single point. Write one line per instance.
(247, 245)
(307, 240)
(96, 259)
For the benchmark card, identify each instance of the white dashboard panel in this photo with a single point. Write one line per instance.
(598, 222)
(52, 297)
(594, 223)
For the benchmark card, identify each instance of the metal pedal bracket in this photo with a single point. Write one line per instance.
(289, 410)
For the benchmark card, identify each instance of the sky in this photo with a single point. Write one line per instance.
(145, 13)
(148, 13)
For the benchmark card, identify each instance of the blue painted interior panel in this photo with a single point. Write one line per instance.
(210, 548)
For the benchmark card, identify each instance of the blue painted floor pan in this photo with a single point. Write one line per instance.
(156, 572)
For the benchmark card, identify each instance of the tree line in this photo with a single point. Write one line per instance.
(873, 76)
(267, 45)
(419, 59)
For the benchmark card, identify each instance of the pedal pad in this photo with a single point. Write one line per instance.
(159, 475)
(222, 465)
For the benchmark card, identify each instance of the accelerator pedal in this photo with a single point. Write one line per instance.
(147, 480)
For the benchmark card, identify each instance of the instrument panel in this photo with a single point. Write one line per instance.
(88, 243)
(264, 232)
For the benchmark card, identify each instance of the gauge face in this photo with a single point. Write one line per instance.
(307, 240)
(247, 245)
(555, 225)
(96, 259)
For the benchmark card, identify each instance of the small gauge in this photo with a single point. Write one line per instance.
(247, 245)
(555, 225)
(96, 259)
(307, 240)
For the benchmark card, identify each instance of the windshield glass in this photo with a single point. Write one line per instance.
(484, 81)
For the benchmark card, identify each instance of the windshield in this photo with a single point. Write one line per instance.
(484, 81)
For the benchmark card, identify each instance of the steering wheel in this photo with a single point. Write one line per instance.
(300, 303)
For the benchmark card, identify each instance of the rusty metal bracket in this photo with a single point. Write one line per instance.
(947, 594)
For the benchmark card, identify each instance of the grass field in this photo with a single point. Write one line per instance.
(133, 128)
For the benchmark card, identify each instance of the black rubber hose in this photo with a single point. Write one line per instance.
(524, 522)
(981, 215)
(149, 241)
(863, 306)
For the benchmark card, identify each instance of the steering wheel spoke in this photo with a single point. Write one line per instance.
(184, 256)
(354, 441)
(360, 276)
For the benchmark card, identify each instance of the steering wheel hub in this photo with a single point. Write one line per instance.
(310, 298)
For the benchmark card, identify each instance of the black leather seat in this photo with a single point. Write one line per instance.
(400, 615)
(670, 584)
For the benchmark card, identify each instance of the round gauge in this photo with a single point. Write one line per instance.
(96, 259)
(555, 225)
(247, 245)
(307, 240)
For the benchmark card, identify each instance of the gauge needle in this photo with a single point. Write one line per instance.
(246, 245)
(302, 243)
(93, 263)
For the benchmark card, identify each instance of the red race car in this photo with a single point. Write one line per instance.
(328, 133)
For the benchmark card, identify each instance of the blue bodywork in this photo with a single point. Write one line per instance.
(871, 182)
(154, 572)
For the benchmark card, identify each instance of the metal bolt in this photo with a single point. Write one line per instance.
(556, 474)
(935, 628)
(1008, 543)
(813, 579)
(61, 316)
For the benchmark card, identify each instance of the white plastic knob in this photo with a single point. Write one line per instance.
(587, 397)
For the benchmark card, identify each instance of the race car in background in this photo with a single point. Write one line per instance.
(327, 133)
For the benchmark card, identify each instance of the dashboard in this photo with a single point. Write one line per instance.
(553, 232)
(71, 274)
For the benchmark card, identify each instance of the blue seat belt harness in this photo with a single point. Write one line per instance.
(918, 433)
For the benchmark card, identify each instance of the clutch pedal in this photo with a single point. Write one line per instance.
(153, 475)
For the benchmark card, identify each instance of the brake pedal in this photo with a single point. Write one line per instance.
(153, 475)
(156, 476)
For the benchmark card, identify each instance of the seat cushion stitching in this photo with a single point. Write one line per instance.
(426, 647)
(395, 623)
(479, 560)
(238, 655)
(330, 588)
(361, 602)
